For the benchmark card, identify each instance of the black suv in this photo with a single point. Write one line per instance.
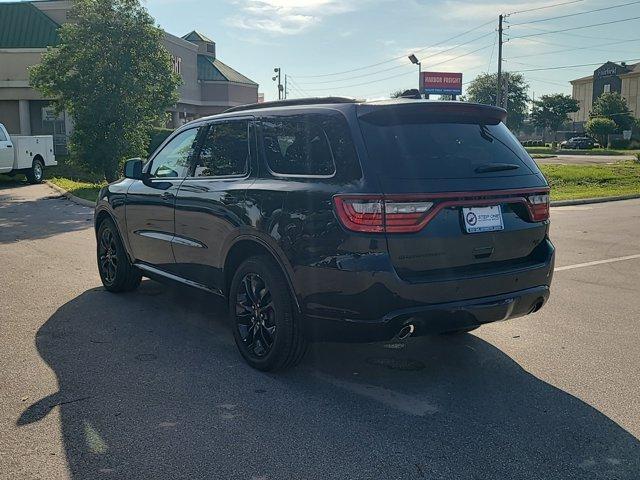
(335, 219)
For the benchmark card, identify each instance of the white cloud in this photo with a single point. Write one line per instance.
(286, 17)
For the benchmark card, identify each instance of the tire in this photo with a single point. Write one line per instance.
(265, 325)
(35, 174)
(116, 271)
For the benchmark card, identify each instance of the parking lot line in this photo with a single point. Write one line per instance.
(597, 262)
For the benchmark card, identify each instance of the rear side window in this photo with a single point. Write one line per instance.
(225, 150)
(309, 145)
(3, 137)
(297, 145)
(444, 148)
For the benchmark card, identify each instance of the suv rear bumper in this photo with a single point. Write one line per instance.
(431, 319)
(357, 304)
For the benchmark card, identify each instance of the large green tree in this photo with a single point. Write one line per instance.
(484, 89)
(112, 74)
(552, 111)
(614, 106)
(600, 128)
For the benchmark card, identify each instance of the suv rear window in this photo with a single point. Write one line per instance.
(446, 147)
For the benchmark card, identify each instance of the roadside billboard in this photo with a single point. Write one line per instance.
(442, 83)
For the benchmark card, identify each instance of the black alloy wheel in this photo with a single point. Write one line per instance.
(265, 321)
(116, 271)
(255, 315)
(107, 255)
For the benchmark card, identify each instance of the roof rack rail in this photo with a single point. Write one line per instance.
(293, 102)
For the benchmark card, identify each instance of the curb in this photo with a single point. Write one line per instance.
(73, 198)
(585, 201)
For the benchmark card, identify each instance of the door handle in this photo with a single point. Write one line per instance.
(167, 196)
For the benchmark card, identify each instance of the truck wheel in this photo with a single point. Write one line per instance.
(36, 173)
(265, 326)
(116, 272)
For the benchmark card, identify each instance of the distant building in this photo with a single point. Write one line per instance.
(610, 77)
(28, 28)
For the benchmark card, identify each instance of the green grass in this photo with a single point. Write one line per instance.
(593, 151)
(87, 190)
(569, 182)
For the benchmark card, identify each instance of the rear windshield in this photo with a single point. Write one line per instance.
(443, 148)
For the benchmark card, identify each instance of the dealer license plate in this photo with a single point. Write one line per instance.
(483, 219)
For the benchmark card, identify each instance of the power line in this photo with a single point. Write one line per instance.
(545, 7)
(576, 14)
(377, 80)
(548, 81)
(396, 58)
(575, 66)
(547, 32)
(493, 49)
(570, 34)
(395, 67)
(591, 48)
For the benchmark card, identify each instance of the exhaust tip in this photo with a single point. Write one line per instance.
(537, 306)
(406, 332)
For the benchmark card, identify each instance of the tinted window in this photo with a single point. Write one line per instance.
(173, 160)
(419, 148)
(225, 150)
(3, 137)
(298, 145)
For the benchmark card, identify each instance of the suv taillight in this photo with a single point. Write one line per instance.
(538, 207)
(374, 214)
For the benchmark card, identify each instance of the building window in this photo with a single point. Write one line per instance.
(176, 63)
(211, 48)
(607, 88)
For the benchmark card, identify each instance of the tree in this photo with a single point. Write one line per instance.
(613, 106)
(552, 111)
(600, 127)
(411, 93)
(114, 77)
(483, 89)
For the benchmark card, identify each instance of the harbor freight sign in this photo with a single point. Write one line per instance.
(442, 83)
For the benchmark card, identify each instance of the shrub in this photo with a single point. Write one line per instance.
(619, 143)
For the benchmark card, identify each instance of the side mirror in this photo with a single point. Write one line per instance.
(133, 168)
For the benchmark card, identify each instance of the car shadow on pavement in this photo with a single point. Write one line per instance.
(151, 386)
(22, 219)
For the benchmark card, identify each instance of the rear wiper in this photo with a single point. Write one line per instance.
(496, 167)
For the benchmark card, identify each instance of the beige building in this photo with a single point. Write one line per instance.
(209, 86)
(610, 77)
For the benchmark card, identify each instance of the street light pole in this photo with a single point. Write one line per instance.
(415, 61)
(278, 71)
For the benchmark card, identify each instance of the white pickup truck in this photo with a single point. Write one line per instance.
(28, 155)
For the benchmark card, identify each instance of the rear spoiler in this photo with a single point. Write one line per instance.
(374, 111)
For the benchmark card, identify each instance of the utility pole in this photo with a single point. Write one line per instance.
(499, 93)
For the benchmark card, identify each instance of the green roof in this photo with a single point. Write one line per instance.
(24, 26)
(196, 36)
(212, 69)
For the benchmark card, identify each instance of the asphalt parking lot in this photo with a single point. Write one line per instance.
(149, 384)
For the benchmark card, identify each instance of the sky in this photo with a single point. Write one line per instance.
(359, 48)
